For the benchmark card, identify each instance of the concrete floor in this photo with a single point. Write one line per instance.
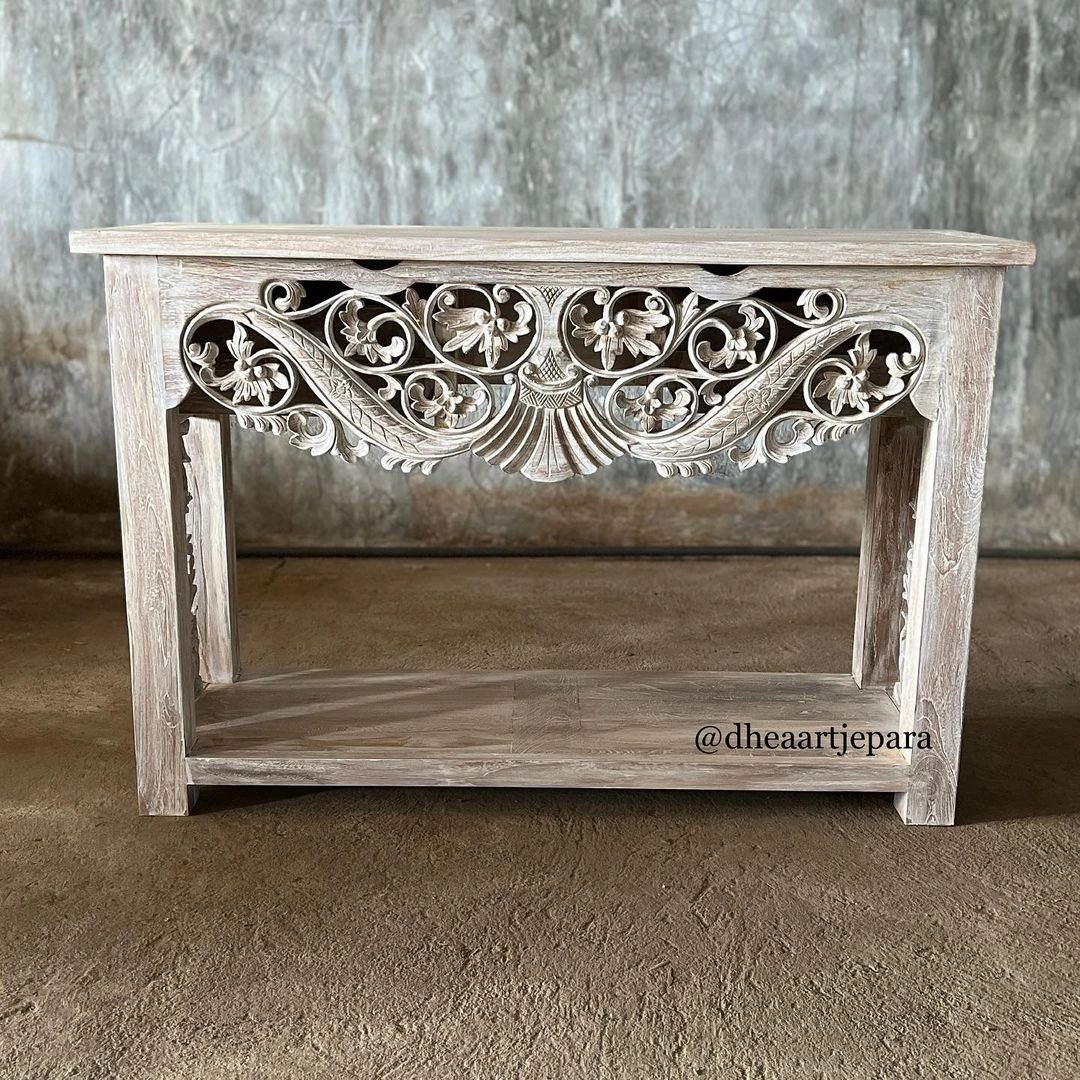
(455, 933)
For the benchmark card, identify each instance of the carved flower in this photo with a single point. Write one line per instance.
(361, 339)
(251, 377)
(756, 401)
(849, 384)
(477, 328)
(630, 328)
(654, 407)
(445, 403)
(741, 345)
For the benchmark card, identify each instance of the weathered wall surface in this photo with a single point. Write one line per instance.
(925, 113)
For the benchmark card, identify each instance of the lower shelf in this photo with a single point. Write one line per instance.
(546, 729)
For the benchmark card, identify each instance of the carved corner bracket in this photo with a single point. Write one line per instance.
(552, 380)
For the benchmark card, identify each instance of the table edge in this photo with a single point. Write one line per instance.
(878, 248)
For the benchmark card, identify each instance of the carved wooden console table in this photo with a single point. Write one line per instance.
(550, 353)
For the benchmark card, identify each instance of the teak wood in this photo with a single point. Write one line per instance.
(533, 729)
(550, 353)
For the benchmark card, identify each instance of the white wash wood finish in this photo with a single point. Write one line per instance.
(537, 729)
(152, 516)
(190, 284)
(945, 548)
(208, 452)
(764, 247)
(672, 346)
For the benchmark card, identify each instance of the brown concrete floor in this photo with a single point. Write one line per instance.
(457, 933)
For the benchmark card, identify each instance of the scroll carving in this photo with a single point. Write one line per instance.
(189, 552)
(552, 381)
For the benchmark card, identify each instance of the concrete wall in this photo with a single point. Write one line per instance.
(926, 113)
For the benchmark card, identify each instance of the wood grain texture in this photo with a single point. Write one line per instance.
(186, 278)
(536, 729)
(743, 246)
(945, 548)
(152, 513)
(208, 449)
(892, 481)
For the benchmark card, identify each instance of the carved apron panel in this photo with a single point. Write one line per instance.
(552, 381)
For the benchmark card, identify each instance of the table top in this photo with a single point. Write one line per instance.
(743, 247)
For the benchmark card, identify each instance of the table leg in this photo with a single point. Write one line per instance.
(210, 521)
(892, 483)
(152, 513)
(942, 574)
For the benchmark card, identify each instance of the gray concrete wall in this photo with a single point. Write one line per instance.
(925, 113)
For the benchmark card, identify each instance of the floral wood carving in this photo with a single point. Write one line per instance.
(548, 381)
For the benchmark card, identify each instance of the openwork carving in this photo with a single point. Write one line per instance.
(551, 381)
(905, 611)
(189, 552)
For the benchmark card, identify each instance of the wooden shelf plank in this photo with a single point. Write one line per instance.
(744, 247)
(540, 729)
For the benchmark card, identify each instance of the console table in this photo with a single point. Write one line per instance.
(549, 353)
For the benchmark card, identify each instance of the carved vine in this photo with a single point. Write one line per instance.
(193, 598)
(552, 382)
(905, 612)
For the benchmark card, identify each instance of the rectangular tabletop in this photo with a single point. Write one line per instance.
(743, 247)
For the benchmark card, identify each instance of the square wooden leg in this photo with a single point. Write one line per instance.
(892, 485)
(208, 451)
(152, 514)
(941, 580)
